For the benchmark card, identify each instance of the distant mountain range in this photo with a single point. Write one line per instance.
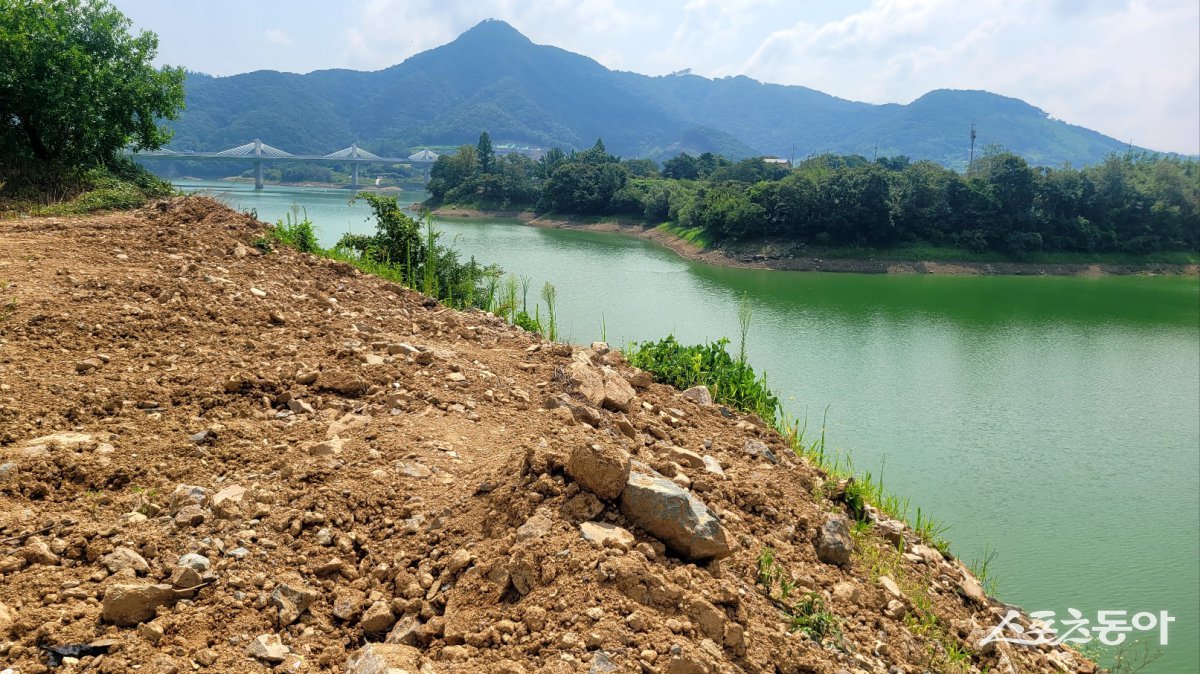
(493, 78)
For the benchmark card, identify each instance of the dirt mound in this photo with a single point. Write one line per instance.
(217, 459)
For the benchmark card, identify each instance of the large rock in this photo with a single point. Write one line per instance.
(833, 543)
(128, 605)
(602, 469)
(618, 394)
(586, 381)
(674, 516)
(388, 659)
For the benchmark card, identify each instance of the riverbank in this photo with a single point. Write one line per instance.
(338, 480)
(749, 258)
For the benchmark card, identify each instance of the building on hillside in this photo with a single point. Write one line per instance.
(777, 161)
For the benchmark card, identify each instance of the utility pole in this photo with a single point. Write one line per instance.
(971, 161)
(875, 157)
(792, 161)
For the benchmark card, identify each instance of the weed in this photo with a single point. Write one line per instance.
(981, 568)
(807, 615)
(550, 294)
(731, 382)
(744, 315)
(810, 616)
(295, 230)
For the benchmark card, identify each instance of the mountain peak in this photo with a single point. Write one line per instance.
(493, 31)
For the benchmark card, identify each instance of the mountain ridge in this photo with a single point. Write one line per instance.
(494, 78)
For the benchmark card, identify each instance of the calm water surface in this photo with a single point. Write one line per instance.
(1054, 419)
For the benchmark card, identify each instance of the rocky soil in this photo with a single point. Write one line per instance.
(213, 459)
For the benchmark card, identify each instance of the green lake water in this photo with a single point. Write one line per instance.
(1056, 420)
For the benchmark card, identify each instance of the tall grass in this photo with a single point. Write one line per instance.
(550, 294)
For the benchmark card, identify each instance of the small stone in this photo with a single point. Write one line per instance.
(582, 506)
(291, 602)
(194, 561)
(460, 560)
(895, 609)
(185, 578)
(328, 447)
(227, 503)
(187, 495)
(298, 406)
(890, 587)
(833, 543)
(970, 588)
(537, 526)
(602, 469)
(378, 618)
(456, 377)
(699, 394)
(123, 558)
(87, 365)
(268, 648)
(190, 516)
(416, 471)
(37, 551)
(607, 535)
(393, 659)
(683, 457)
(758, 448)
(205, 657)
(150, 632)
(128, 605)
(713, 467)
(407, 630)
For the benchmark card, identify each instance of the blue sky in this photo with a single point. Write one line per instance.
(1127, 68)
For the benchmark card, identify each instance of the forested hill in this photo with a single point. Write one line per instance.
(492, 77)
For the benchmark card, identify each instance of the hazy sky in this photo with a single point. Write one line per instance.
(1127, 68)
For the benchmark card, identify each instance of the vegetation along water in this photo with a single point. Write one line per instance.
(1052, 419)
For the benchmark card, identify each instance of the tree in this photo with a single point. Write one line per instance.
(76, 86)
(485, 153)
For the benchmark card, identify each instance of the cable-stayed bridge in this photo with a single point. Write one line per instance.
(258, 152)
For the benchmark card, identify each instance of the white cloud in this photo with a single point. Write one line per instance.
(1130, 69)
(277, 36)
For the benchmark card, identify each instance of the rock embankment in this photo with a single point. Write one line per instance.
(214, 459)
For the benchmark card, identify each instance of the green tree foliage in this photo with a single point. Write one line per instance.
(1131, 203)
(76, 86)
(409, 249)
(485, 153)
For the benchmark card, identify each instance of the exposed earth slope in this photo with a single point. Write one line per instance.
(217, 460)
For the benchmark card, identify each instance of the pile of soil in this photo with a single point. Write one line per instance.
(218, 459)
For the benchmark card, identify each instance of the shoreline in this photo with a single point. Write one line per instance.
(722, 258)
